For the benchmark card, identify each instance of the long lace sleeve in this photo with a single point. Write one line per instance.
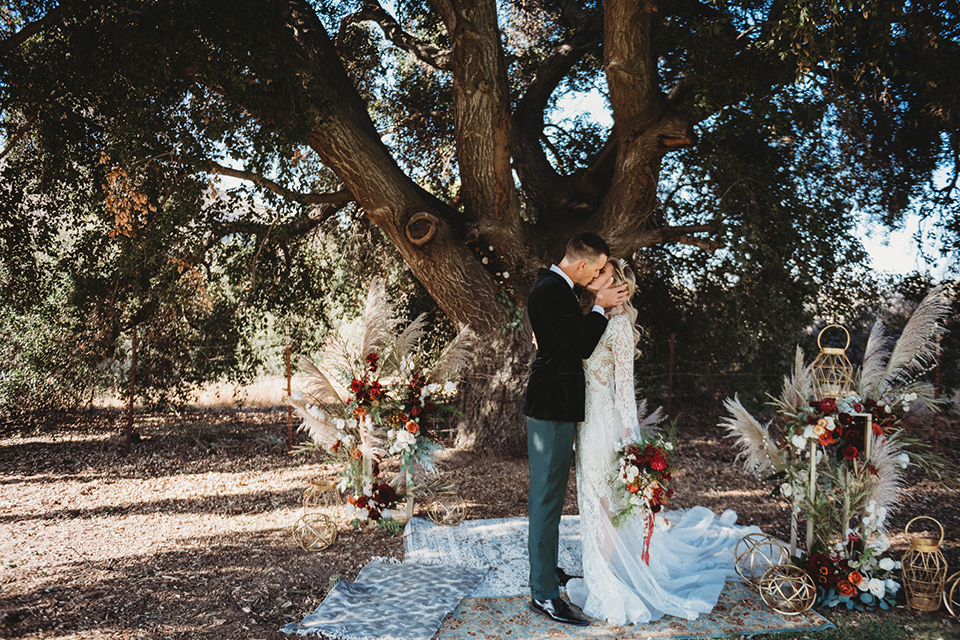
(623, 349)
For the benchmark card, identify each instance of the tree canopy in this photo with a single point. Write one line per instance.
(746, 139)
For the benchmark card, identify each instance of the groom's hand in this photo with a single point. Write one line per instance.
(610, 297)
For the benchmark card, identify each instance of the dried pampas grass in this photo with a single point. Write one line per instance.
(758, 451)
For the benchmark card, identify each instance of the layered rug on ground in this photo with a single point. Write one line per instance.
(497, 608)
(390, 601)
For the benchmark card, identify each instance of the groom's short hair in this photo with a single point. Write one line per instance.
(586, 246)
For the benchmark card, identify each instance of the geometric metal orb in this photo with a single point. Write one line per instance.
(951, 595)
(788, 589)
(321, 493)
(755, 554)
(447, 509)
(315, 531)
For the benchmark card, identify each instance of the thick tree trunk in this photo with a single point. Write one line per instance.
(492, 394)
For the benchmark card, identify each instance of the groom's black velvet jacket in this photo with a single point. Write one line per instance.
(565, 338)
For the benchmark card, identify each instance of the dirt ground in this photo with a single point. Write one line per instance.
(188, 535)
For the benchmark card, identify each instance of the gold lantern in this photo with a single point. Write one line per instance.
(787, 589)
(832, 371)
(924, 569)
(951, 595)
(321, 493)
(755, 554)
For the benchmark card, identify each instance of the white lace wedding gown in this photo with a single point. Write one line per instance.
(691, 552)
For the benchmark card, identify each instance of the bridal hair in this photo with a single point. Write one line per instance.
(586, 246)
(622, 273)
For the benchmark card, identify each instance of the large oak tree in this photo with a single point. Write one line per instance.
(439, 121)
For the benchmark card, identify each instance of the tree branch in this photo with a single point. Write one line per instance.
(35, 27)
(16, 137)
(426, 52)
(681, 235)
(541, 183)
(341, 197)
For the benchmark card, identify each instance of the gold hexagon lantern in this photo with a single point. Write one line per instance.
(832, 371)
(447, 509)
(924, 569)
(755, 554)
(787, 589)
(321, 493)
(951, 595)
(315, 531)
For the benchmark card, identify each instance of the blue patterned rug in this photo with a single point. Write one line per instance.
(390, 601)
(740, 612)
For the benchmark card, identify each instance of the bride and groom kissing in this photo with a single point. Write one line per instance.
(581, 388)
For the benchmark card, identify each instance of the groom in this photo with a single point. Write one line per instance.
(555, 403)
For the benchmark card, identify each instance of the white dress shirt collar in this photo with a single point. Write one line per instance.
(557, 269)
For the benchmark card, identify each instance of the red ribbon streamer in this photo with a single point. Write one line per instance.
(647, 534)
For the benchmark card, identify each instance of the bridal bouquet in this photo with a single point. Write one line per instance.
(643, 480)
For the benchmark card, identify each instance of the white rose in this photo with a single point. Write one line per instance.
(340, 424)
(903, 459)
(349, 510)
(799, 442)
(831, 425)
(892, 586)
(886, 564)
(385, 513)
(786, 489)
(877, 587)
(363, 514)
(808, 432)
(863, 585)
(450, 387)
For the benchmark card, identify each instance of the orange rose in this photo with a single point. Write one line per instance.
(413, 427)
(855, 578)
(877, 429)
(846, 589)
(826, 438)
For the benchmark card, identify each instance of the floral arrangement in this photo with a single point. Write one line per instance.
(643, 479)
(841, 475)
(498, 270)
(394, 403)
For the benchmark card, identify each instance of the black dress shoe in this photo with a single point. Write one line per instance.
(563, 577)
(558, 610)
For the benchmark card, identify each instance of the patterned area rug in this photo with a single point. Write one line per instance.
(498, 544)
(497, 608)
(740, 612)
(390, 601)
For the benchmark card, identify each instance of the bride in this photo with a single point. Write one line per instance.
(690, 552)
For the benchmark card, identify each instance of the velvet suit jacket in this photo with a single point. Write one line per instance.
(565, 338)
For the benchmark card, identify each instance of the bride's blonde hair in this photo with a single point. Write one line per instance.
(622, 273)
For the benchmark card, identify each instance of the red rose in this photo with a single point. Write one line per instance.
(850, 452)
(858, 407)
(828, 405)
(372, 358)
(356, 386)
(375, 393)
(658, 463)
(415, 410)
(430, 407)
